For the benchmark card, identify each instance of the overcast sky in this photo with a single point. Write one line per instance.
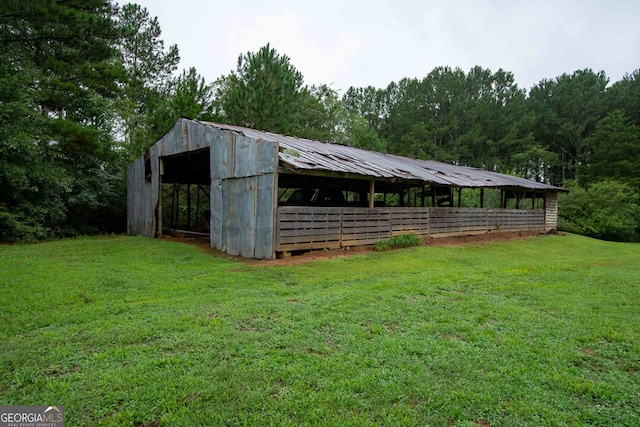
(373, 42)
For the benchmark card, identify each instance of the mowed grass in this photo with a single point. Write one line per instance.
(143, 332)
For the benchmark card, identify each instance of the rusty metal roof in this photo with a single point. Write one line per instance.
(298, 154)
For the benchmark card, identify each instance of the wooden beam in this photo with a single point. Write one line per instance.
(159, 220)
(175, 225)
(372, 193)
(189, 206)
(197, 220)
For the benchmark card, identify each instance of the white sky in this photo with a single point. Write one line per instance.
(373, 42)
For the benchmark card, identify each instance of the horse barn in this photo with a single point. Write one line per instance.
(259, 194)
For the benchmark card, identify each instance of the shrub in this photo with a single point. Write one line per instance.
(605, 210)
(402, 241)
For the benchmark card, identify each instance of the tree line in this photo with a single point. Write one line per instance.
(87, 86)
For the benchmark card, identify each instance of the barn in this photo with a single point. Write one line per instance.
(258, 194)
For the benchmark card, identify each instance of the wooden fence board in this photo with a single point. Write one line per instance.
(288, 240)
(310, 233)
(302, 227)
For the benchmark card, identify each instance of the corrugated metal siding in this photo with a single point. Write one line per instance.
(243, 188)
(186, 135)
(136, 197)
(140, 200)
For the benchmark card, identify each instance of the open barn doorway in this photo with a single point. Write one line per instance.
(185, 195)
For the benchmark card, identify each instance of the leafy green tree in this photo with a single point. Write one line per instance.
(358, 133)
(264, 92)
(495, 109)
(369, 103)
(188, 96)
(408, 106)
(534, 162)
(466, 118)
(615, 151)
(324, 117)
(192, 97)
(567, 109)
(57, 80)
(148, 69)
(320, 114)
(624, 95)
(605, 210)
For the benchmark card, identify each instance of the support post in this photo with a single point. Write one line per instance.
(160, 203)
(196, 224)
(177, 205)
(482, 198)
(372, 193)
(173, 205)
(188, 206)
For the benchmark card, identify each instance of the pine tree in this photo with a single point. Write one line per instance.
(265, 92)
(57, 78)
(148, 71)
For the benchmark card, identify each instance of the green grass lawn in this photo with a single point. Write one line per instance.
(142, 332)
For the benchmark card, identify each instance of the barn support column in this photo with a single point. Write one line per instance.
(197, 218)
(482, 198)
(160, 197)
(176, 188)
(188, 206)
(372, 193)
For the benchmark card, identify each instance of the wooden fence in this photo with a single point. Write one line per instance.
(305, 228)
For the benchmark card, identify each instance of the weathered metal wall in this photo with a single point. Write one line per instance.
(304, 228)
(137, 198)
(186, 135)
(243, 195)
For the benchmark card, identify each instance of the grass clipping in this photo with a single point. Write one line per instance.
(402, 241)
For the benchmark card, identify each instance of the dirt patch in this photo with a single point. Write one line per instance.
(308, 256)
